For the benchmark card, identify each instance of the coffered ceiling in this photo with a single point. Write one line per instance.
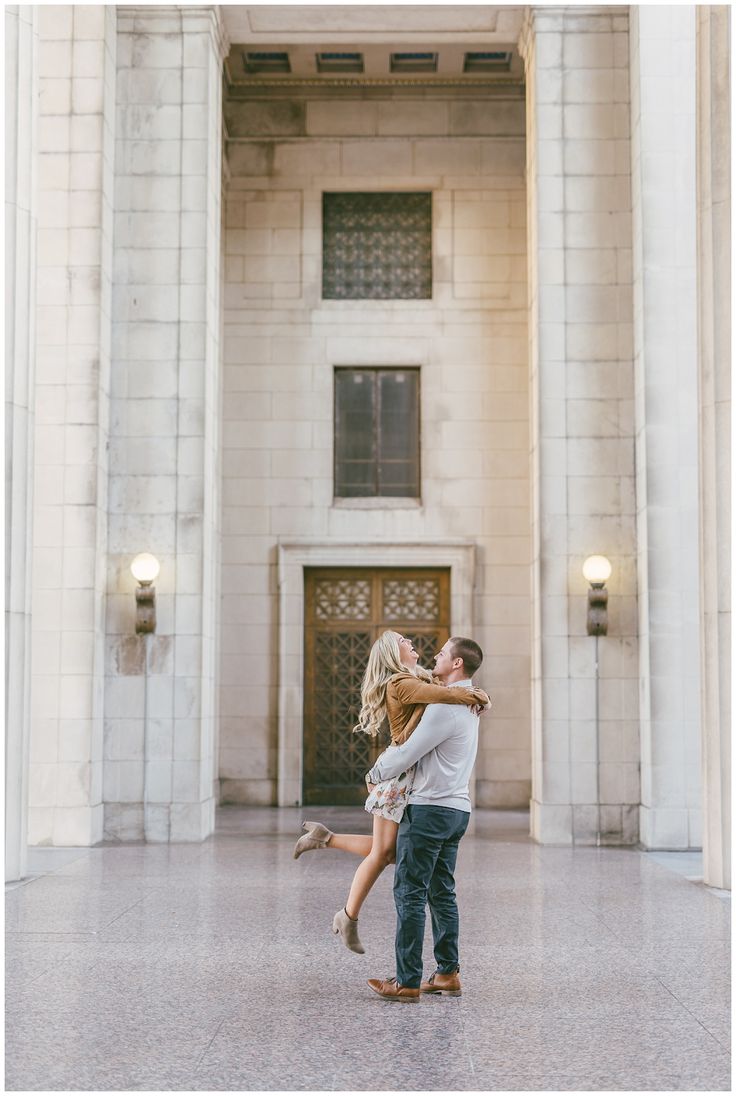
(379, 46)
(378, 23)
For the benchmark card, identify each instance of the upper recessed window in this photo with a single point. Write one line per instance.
(493, 61)
(377, 246)
(413, 62)
(267, 62)
(377, 433)
(339, 62)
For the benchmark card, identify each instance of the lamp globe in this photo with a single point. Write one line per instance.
(145, 568)
(597, 570)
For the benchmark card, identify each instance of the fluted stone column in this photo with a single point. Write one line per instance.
(714, 338)
(21, 120)
(665, 348)
(160, 731)
(584, 742)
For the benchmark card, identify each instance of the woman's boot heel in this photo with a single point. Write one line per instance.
(344, 926)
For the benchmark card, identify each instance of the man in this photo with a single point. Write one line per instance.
(443, 746)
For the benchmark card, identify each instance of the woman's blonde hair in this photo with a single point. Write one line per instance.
(383, 662)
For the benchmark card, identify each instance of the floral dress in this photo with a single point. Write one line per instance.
(388, 799)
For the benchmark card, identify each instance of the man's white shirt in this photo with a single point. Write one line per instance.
(443, 746)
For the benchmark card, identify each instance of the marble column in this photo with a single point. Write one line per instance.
(76, 108)
(160, 774)
(585, 785)
(714, 359)
(665, 356)
(21, 123)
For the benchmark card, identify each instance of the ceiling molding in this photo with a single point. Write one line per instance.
(247, 87)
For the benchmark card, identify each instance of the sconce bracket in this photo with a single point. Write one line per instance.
(597, 611)
(145, 610)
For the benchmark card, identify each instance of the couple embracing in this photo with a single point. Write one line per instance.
(418, 794)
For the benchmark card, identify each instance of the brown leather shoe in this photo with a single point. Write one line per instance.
(390, 990)
(443, 983)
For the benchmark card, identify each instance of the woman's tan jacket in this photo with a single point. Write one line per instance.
(407, 696)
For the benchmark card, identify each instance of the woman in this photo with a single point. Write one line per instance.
(397, 689)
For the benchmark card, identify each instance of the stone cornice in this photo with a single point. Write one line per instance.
(591, 18)
(173, 19)
(579, 9)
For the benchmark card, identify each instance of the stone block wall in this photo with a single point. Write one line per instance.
(662, 42)
(713, 71)
(282, 342)
(160, 699)
(21, 133)
(586, 745)
(74, 278)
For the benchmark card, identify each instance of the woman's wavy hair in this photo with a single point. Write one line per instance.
(383, 662)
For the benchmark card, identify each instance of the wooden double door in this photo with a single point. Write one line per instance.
(346, 610)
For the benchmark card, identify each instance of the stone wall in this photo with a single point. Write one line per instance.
(74, 263)
(585, 725)
(282, 342)
(161, 697)
(662, 43)
(21, 133)
(115, 411)
(714, 381)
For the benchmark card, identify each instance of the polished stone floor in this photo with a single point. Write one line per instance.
(212, 967)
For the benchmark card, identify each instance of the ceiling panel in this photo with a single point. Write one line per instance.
(296, 23)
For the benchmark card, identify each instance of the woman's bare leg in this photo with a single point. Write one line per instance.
(382, 853)
(357, 843)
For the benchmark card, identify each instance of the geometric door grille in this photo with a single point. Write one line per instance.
(412, 599)
(340, 661)
(346, 609)
(342, 599)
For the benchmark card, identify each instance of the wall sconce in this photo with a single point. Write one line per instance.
(597, 571)
(145, 568)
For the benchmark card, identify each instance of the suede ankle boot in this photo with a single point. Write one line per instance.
(316, 837)
(344, 926)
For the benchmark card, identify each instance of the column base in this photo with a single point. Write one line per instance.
(75, 827)
(676, 829)
(716, 868)
(578, 823)
(164, 822)
(550, 823)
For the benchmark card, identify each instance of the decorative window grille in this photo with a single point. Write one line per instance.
(377, 246)
(377, 433)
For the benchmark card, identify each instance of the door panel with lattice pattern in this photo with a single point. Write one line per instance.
(346, 609)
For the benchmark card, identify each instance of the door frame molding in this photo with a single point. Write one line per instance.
(293, 556)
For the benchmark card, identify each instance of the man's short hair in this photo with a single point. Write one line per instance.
(469, 651)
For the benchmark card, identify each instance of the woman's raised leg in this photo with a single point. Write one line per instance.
(319, 837)
(359, 844)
